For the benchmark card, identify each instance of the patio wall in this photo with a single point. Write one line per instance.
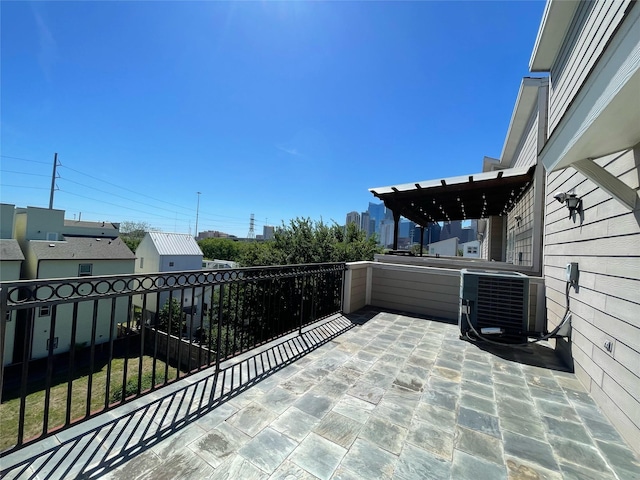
(418, 289)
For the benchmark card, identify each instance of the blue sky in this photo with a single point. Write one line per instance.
(280, 109)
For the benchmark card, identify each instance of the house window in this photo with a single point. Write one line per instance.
(171, 264)
(141, 262)
(55, 343)
(44, 311)
(511, 243)
(52, 236)
(85, 269)
(472, 250)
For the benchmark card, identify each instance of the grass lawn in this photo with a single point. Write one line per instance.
(34, 412)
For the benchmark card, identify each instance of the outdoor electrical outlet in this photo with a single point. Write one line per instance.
(608, 346)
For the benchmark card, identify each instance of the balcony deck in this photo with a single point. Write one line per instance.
(369, 395)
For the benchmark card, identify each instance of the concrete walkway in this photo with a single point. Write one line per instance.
(374, 395)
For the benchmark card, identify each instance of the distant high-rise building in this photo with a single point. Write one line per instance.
(267, 232)
(376, 213)
(353, 217)
(386, 233)
(365, 223)
(451, 230)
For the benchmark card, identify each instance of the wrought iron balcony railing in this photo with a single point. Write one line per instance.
(76, 347)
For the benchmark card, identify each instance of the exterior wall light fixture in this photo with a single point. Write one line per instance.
(572, 201)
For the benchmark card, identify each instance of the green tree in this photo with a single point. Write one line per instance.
(132, 233)
(171, 312)
(220, 248)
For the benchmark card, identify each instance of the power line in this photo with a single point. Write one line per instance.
(26, 173)
(24, 159)
(24, 186)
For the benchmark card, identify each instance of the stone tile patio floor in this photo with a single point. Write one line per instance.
(368, 396)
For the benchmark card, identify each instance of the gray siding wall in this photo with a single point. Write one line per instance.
(428, 291)
(594, 23)
(527, 153)
(358, 287)
(606, 245)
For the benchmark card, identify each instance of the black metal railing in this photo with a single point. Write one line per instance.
(76, 347)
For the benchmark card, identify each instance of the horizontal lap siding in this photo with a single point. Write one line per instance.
(527, 153)
(606, 245)
(358, 288)
(594, 24)
(430, 293)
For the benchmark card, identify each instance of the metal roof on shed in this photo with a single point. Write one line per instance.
(175, 243)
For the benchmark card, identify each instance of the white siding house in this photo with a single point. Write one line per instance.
(57, 248)
(170, 252)
(591, 51)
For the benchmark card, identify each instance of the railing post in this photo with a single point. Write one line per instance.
(219, 333)
(301, 304)
(4, 310)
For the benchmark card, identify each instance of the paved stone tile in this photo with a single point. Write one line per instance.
(278, 399)
(509, 379)
(314, 404)
(367, 392)
(603, 431)
(621, 458)
(357, 365)
(134, 468)
(338, 429)
(571, 471)
(398, 395)
(268, 449)
(395, 413)
(481, 404)
(420, 360)
(556, 410)
(441, 418)
(519, 469)
(378, 379)
(237, 467)
(479, 421)
(345, 375)
(479, 445)
(465, 466)
(480, 377)
(564, 429)
(529, 426)
(295, 423)
(447, 373)
(511, 391)
(501, 366)
(440, 398)
(415, 463)
(410, 379)
(390, 369)
(219, 444)
(290, 471)
(177, 440)
(330, 387)
(580, 398)
(512, 407)
(384, 434)
(477, 389)
(579, 453)
(550, 395)
(368, 460)
(183, 464)
(442, 385)
(354, 408)
(542, 382)
(428, 437)
(299, 383)
(318, 456)
(252, 419)
(527, 448)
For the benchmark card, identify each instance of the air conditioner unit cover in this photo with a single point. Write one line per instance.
(492, 299)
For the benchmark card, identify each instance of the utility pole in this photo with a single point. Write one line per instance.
(197, 213)
(53, 180)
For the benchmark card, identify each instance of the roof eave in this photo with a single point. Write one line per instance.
(555, 23)
(525, 104)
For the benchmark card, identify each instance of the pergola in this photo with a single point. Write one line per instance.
(466, 197)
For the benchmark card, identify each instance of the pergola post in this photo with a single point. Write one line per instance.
(396, 223)
(421, 239)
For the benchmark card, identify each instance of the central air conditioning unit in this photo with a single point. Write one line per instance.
(494, 303)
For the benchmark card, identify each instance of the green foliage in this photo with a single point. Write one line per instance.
(132, 233)
(221, 248)
(132, 387)
(171, 311)
(306, 241)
